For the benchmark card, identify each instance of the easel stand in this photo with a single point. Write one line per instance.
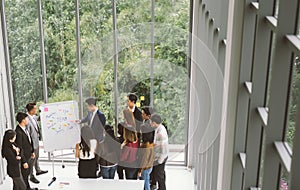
(53, 177)
(52, 155)
(62, 160)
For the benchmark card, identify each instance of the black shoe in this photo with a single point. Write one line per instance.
(41, 172)
(153, 187)
(34, 180)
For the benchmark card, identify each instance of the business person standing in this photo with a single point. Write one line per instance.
(11, 152)
(24, 141)
(34, 131)
(95, 118)
(131, 103)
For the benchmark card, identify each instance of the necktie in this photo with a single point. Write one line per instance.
(92, 118)
(36, 126)
(27, 133)
(35, 123)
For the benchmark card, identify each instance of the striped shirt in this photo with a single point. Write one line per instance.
(160, 144)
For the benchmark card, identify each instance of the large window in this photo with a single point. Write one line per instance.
(24, 50)
(60, 49)
(137, 68)
(295, 87)
(96, 41)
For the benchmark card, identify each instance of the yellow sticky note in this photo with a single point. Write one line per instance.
(138, 104)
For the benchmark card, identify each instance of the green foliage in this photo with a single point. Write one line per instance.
(293, 103)
(63, 95)
(60, 44)
(96, 41)
(23, 39)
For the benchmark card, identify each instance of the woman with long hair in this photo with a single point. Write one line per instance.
(11, 152)
(146, 154)
(107, 152)
(86, 152)
(129, 150)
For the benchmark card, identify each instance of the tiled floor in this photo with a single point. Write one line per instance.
(177, 177)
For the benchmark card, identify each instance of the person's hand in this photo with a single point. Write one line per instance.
(17, 150)
(123, 144)
(32, 155)
(139, 174)
(25, 165)
(18, 157)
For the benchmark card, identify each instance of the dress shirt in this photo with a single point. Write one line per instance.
(26, 132)
(133, 109)
(92, 118)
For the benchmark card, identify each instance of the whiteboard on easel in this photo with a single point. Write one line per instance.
(59, 128)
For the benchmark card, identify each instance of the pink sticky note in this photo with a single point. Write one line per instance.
(45, 109)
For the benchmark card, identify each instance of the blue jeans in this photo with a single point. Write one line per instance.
(108, 172)
(131, 173)
(146, 177)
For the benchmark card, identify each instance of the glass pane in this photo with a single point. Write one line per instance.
(24, 49)
(270, 66)
(97, 54)
(276, 8)
(171, 71)
(298, 32)
(295, 86)
(262, 157)
(170, 62)
(134, 38)
(60, 48)
(171, 56)
(263, 138)
(134, 47)
(60, 51)
(284, 180)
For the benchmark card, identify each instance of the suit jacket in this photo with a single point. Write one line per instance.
(97, 124)
(13, 165)
(138, 119)
(33, 131)
(23, 142)
(108, 151)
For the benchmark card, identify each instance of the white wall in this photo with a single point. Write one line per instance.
(5, 117)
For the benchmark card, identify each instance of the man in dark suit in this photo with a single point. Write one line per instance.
(24, 141)
(95, 118)
(34, 131)
(131, 103)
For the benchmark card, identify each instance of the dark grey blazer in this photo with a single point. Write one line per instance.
(97, 124)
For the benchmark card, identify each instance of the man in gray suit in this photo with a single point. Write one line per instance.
(34, 130)
(95, 118)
